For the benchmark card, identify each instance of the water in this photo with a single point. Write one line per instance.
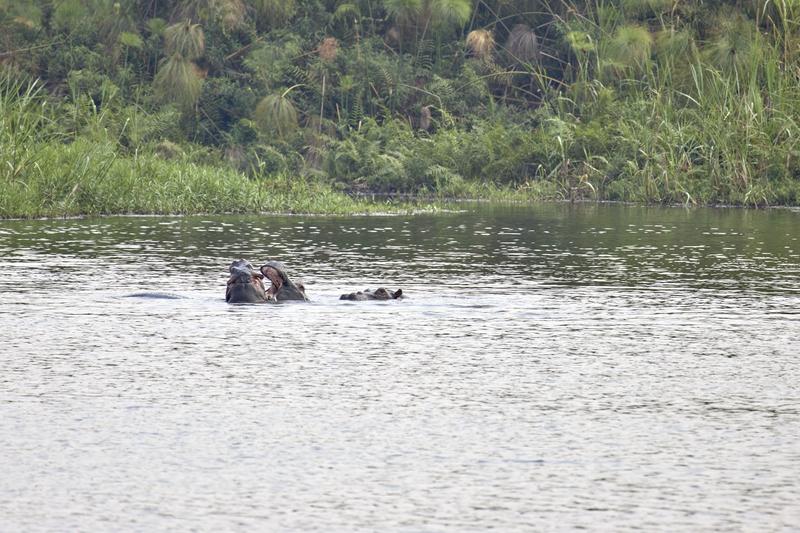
(553, 367)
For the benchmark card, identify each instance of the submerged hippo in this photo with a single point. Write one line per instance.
(245, 284)
(281, 287)
(379, 294)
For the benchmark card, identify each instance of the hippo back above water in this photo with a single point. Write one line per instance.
(378, 294)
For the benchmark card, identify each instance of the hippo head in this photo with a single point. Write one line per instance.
(383, 294)
(281, 287)
(245, 284)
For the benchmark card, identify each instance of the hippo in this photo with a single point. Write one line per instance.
(281, 287)
(245, 284)
(379, 294)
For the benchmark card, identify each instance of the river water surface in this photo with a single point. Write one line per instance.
(553, 367)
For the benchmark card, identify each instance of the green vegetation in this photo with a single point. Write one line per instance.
(261, 105)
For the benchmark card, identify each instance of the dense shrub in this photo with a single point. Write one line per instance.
(645, 101)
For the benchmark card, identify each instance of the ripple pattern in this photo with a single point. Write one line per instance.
(553, 368)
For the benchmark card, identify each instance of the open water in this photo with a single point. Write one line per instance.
(553, 367)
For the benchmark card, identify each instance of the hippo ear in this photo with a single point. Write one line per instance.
(397, 294)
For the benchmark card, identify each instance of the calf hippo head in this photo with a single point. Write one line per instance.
(378, 294)
(245, 284)
(281, 287)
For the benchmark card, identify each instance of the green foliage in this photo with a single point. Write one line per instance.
(273, 13)
(84, 178)
(130, 40)
(223, 105)
(642, 9)
(628, 52)
(449, 13)
(70, 15)
(88, 21)
(137, 128)
(347, 12)
(184, 39)
(179, 81)
(403, 11)
(419, 18)
(643, 100)
(276, 115)
(156, 26)
(23, 15)
(270, 62)
(522, 45)
(231, 13)
(22, 121)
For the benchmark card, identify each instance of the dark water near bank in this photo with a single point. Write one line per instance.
(553, 367)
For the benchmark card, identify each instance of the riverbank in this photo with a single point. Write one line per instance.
(50, 171)
(84, 178)
(59, 161)
(90, 179)
(183, 107)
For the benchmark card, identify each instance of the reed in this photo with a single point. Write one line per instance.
(41, 175)
(84, 179)
(23, 120)
(184, 39)
(677, 121)
(178, 80)
(607, 101)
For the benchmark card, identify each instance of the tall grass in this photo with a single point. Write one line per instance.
(646, 113)
(712, 122)
(44, 174)
(84, 179)
(22, 122)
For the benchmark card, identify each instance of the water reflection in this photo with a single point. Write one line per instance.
(577, 245)
(553, 367)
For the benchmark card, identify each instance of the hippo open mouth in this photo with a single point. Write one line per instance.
(281, 287)
(245, 284)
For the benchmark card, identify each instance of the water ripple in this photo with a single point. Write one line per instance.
(553, 368)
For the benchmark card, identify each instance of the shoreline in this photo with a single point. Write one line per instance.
(423, 205)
